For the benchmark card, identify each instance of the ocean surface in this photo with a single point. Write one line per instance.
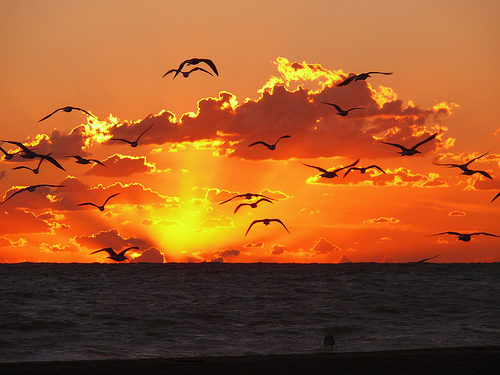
(102, 311)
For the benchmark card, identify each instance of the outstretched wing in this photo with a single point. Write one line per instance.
(259, 142)
(52, 160)
(279, 221)
(17, 192)
(251, 225)
(386, 73)
(377, 167)
(318, 168)
(403, 148)
(120, 139)
(347, 81)
(109, 250)
(87, 112)
(238, 207)
(170, 71)
(485, 174)
(111, 196)
(211, 64)
(144, 132)
(425, 140)
(335, 105)
(127, 249)
(495, 197)
(347, 166)
(478, 157)
(484, 233)
(198, 68)
(46, 117)
(88, 204)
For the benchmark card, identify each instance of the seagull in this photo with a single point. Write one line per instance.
(35, 170)
(30, 154)
(266, 222)
(495, 197)
(359, 77)
(81, 160)
(331, 174)
(67, 109)
(465, 236)
(424, 260)
(7, 155)
(101, 208)
(340, 111)
(186, 74)
(246, 196)
(132, 143)
(270, 147)
(329, 340)
(195, 61)
(113, 255)
(253, 205)
(464, 167)
(413, 150)
(31, 189)
(364, 169)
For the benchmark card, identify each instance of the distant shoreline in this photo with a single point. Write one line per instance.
(439, 361)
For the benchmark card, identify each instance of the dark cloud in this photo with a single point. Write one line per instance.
(120, 166)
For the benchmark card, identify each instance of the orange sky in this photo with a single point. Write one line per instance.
(277, 62)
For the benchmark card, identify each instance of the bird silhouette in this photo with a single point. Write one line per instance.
(266, 222)
(465, 167)
(466, 237)
(495, 197)
(67, 109)
(270, 147)
(118, 257)
(413, 150)
(359, 77)
(186, 74)
(81, 160)
(195, 61)
(340, 111)
(101, 208)
(132, 143)
(424, 260)
(329, 340)
(331, 174)
(253, 205)
(30, 154)
(364, 169)
(7, 155)
(34, 170)
(31, 189)
(246, 196)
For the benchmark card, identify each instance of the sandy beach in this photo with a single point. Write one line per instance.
(467, 360)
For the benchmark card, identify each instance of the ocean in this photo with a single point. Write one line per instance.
(130, 311)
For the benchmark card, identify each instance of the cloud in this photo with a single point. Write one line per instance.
(111, 238)
(278, 249)
(382, 220)
(119, 165)
(323, 246)
(16, 221)
(456, 213)
(211, 223)
(48, 248)
(150, 256)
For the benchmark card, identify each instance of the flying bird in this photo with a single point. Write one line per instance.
(424, 260)
(495, 197)
(253, 205)
(359, 77)
(364, 169)
(465, 167)
(186, 74)
(34, 170)
(7, 155)
(331, 174)
(81, 160)
(195, 61)
(31, 189)
(329, 340)
(246, 196)
(101, 208)
(67, 109)
(132, 143)
(270, 147)
(118, 257)
(465, 236)
(30, 154)
(266, 222)
(413, 150)
(340, 111)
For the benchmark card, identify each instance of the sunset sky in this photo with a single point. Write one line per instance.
(277, 62)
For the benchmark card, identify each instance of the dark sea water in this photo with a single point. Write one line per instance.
(100, 311)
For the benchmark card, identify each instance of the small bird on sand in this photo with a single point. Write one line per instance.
(101, 208)
(466, 237)
(253, 205)
(465, 167)
(413, 150)
(186, 74)
(132, 143)
(359, 77)
(31, 189)
(195, 61)
(246, 196)
(340, 111)
(270, 147)
(266, 222)
(67, 109)
(331, 174)
(118, 257)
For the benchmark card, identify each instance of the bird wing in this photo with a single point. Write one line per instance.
(377, 167)
(109, 250)
(283, 136)
(470, 161)
(87, 112)
(120, 139)
(181, 65)
(211, 64)
(279, 221)
(318, 168)
(335, 105)
(198, 68)
(263, 199)
(495, 197)
(403, 148)
(17, 192)
(111, 196)
(352, 109)
(236, 196)
(46, 117)
(97, 161)
(260, 142)
(170, 71)
(127, 249)
(347, 81)
(425, 140)
(350, 169)
(485, 174)
(20, 145)
(21, 167)
(388, 73)
(426, 259)
(52, 160)
(144, 132)
(88, 204)
(347, 166)
(238, 207)
(251, 225)
(486, 234)
(438, 234)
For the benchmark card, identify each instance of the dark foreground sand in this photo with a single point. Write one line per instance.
(470, 360)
